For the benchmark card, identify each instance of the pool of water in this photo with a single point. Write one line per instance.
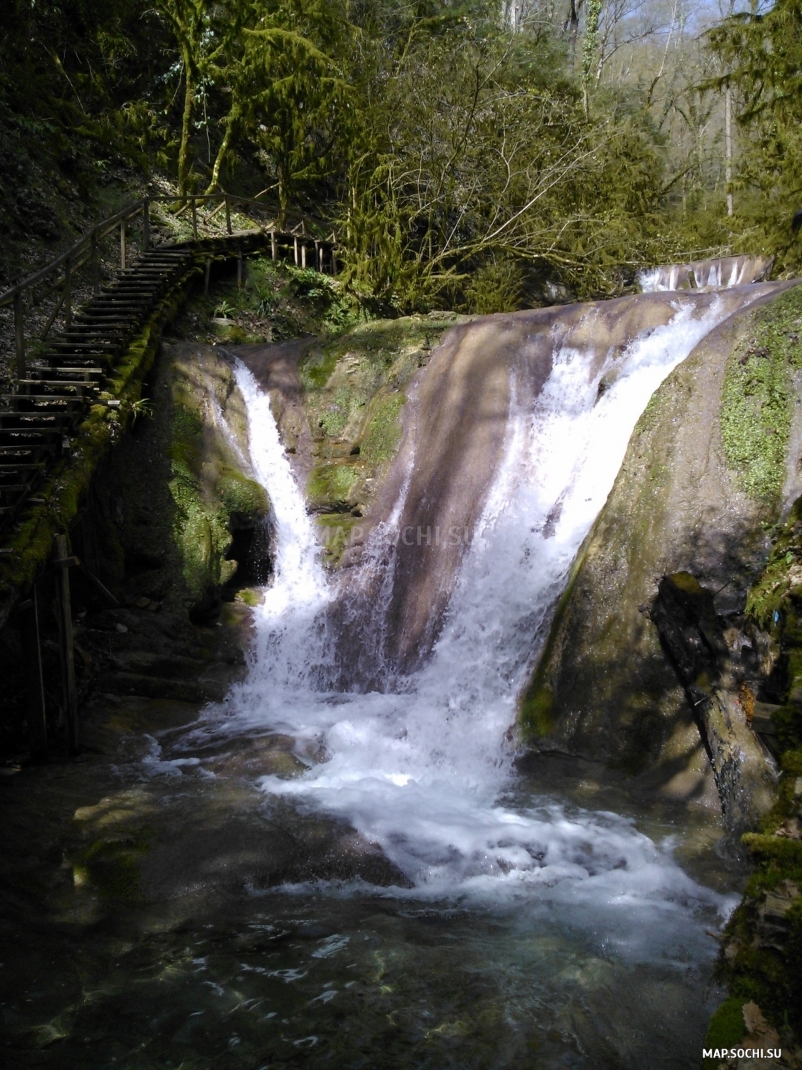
(247, 938)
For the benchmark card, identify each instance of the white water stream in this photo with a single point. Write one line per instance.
(426, 770)
(704, 275)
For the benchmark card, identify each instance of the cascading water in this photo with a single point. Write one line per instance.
(425, 769)
(505, 917)
(717, 274)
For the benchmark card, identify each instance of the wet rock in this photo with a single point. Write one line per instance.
(604, 687)
(684, 614)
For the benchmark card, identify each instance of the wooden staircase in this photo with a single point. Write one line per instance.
(38, 420)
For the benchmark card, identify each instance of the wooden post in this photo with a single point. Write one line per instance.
(63, 562)
(19, 333)
(146, 225)
(34, 680)
(318, 257)
(296, 250)
(228, 217)
(207, 274)
(95, 265)
(273, 246)
(240, 271)
(303, 254)
(728, 145)
(68, 293)
(122, 245)
(333, 262)
(194, 219)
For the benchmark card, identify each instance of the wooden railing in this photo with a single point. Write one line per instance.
(59, 274)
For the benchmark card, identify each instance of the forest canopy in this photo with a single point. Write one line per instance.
(470, 153)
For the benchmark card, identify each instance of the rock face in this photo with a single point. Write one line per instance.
(604, 687)
(169, 526)
(720, 698)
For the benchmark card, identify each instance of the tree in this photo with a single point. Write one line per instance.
(761, 55)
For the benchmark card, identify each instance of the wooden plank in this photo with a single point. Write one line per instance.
(67, 646)
(19, 335)
(34, 678)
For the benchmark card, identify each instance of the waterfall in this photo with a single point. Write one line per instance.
(705, 275)
(425, 768)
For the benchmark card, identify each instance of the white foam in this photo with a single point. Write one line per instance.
(424, 772)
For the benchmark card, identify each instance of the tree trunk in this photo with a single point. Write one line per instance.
(186, 124)
(222, 152)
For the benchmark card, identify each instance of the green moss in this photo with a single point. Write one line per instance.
(337, 530)
(249, 597)
(383, 432)
(536, 715)
(726, 1029)
(768, 595)
(782, 853)
(537, 710)
(113, 866)
(331, 483)
(650, 414)
(756, 399)
(242, 495)
(341, 407)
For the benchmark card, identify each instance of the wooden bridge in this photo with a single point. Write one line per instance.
(49, 398)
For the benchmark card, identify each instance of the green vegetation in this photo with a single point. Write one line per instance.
(757, 399)
(762, 955)
(468, 155)
(726, 1029)
(277, 302)
(209, 493)
(383, 430)
(353, 396)
(761, 53)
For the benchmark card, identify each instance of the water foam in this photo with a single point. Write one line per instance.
(427, 773)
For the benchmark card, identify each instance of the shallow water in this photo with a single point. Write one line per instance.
(207, 967)
(324, 877)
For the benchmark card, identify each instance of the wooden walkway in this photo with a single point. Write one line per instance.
(49, 401)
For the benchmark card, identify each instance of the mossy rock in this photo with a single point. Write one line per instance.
(383, 429)
(112, 866)
(330, 485)
(242, 495)
(726, 1029)
(757, 398)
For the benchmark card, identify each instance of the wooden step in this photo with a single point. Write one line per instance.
(74, 347)
(74, 363)
(84, 385)
(28, 419)
(64, 373)
(10, 436)
(111, 319)
(21, 452)
(64, 400)
(48, 387)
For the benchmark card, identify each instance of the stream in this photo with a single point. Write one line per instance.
(502, 915)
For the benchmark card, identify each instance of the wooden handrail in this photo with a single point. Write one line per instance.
(100, 230)
(85, 250)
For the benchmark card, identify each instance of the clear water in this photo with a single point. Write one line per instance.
(530, 925)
